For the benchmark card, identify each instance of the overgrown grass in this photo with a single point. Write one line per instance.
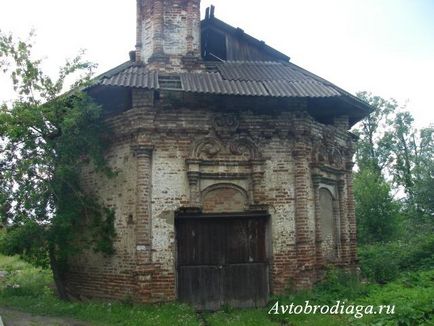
(384, 262)
(413, 296)
(30, 289)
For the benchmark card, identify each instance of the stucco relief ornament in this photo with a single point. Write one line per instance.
(244, 147)
(317, 146)
(226, 124)
(328, 135)
(336, 157)
(207, 148)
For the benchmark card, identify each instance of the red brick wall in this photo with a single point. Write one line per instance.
(224, 200)
(152, 152)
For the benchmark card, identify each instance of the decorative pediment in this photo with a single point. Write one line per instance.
(236, 160)
(212, 148)
(245, 148)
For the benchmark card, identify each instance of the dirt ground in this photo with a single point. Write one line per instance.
(17, 318)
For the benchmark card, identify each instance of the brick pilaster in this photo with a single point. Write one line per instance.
(318, 239)
(351, 215)
(143, 222)
(258, 195)
(344, 232)
(305, 246)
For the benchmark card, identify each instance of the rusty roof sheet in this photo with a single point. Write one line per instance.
(272, 79)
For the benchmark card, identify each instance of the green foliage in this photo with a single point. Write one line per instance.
(339, 284)
(23, 279)
(420, 254)
(28, 288)
(12, 263)
(28, 240)
(376, 212)
(241, 317)
(390, 144)
(45, 139)
(424, 190)
(384, 263)
(373, 151)
(105, 231)
(412, 295)
(28, 282)
(380, 263)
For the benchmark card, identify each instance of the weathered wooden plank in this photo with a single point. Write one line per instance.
(222, 261)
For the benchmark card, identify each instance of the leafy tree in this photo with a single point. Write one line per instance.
(373, 149)
(390, 145)
(376, 211)
(413, 156)
(46, 138)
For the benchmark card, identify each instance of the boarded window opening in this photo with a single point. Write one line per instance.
(327, 225)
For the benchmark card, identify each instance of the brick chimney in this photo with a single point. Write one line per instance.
(168, 34)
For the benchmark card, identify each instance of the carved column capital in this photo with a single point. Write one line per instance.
(316, 179)
(142, 150)
(340, 184)
(193, 177)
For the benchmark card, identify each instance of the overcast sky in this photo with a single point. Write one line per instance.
(382, 46)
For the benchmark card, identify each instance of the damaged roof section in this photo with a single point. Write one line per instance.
(234, 64)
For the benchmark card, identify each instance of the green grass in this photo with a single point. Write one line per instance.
(413, 296)
(242, 317)
(30, 289)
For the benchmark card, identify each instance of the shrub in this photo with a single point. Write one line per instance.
(22, 279)
(28, 282)
(339, 284)
(412, 295)
(420, 254)
(383, 262)
(26, 240)
(380, 262)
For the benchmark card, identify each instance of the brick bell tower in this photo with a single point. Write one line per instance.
(168, 34)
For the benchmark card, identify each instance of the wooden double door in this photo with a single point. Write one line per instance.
(222, 260)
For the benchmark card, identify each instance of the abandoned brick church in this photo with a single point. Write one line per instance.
(234, 167)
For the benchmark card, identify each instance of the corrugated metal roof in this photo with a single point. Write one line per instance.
(258, 71)
(133, 76)
(299, 89)
(274, 79)
(213, 83)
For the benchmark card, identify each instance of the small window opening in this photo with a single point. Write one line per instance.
(214, 45)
